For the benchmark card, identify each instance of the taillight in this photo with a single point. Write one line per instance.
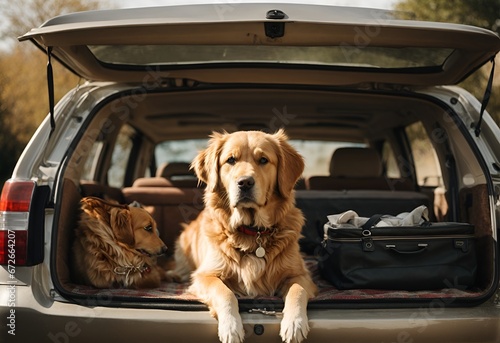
(19, 233)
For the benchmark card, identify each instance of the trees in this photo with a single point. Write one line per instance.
(10, 149)
(23, 83)
(21, 16)
(482, 13)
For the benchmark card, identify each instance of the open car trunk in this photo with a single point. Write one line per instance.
(323, 73)
(358, 116)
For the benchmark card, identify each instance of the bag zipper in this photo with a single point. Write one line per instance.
(393, 238)
(400, 238)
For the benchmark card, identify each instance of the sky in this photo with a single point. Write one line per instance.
(382, 4)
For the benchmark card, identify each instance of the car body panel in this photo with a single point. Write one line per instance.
(59, 321)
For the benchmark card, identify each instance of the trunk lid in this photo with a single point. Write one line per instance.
(264, 43)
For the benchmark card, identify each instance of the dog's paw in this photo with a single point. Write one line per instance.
(294, 327)
(231, 329)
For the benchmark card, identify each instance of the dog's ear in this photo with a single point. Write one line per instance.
(95, 207)
(206, 163)
(290, 165)
(121, 224)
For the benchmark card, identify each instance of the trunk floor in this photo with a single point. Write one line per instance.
(327, 292)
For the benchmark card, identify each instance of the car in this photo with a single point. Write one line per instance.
(158, 81)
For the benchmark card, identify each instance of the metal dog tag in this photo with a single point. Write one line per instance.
(260, 252)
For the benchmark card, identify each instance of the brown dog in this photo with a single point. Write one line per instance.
(245, 241)
(116, 246)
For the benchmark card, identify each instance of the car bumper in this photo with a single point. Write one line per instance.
(56, 321)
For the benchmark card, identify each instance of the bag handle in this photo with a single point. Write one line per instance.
(372, 222)
(421, 248)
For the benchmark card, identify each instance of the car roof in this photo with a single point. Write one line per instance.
(241, 43)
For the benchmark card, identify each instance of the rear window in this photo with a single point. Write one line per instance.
(340, 56)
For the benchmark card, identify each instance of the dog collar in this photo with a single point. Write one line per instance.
(126, 270)
(257, 232)
(254, 230)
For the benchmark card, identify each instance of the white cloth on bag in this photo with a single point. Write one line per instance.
(350, 219)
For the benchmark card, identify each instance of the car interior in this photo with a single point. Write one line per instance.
(394, 151)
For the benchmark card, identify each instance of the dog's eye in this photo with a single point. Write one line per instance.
(263, 160)
(231, 160)
(148, 228)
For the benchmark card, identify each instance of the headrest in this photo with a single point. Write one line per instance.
(152, 182)
(355, 162)
(167, 170)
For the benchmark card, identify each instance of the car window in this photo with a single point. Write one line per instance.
(317, 154)
(390, 162)
(120, 157)
(343, 55)
(92, 161)
(178, 150)
(424, 155)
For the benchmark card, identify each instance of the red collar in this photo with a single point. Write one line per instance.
(253, 230)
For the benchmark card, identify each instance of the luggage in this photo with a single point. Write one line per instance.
(422, 256)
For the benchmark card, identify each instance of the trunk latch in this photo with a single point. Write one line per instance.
(275, 30)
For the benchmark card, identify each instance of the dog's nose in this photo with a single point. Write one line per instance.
(245, 183)
(164, 250)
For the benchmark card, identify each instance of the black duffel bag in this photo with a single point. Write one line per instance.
(424, 257)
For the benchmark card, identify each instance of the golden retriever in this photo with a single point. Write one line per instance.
(245, 241)
(116, 246)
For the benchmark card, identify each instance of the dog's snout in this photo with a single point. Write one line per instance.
(246, 182)
(164, 250)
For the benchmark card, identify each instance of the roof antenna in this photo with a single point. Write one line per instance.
(50, 84)
(486, 98)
